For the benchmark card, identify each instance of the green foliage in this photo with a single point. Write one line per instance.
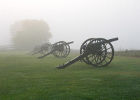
(24, 77)
(29, 33)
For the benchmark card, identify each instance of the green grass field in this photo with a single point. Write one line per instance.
(24, 77)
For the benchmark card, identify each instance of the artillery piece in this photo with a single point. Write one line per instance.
(42, 49)
(97, 52)
(59, 49)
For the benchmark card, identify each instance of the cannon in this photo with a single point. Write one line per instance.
(97, 52)
(59, 49)
(42, 49)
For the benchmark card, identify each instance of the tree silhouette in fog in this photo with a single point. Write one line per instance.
(28, 33)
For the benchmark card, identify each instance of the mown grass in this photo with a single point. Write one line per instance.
(24, 77)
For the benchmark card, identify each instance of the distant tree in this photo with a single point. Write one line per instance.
(28, 33)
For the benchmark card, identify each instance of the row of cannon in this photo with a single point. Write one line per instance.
(97, 52)
(59, 49)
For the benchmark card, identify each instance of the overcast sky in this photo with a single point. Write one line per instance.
(77, 20)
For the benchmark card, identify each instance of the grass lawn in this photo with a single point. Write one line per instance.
(24, 77)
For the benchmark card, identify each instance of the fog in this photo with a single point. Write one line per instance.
(77, 20)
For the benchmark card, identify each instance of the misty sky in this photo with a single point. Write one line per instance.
(77, 20)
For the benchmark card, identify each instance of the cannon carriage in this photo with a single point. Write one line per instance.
(42, 49)
(59, 49)
(97, 52)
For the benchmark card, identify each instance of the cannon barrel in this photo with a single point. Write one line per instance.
(113, 39)
(107, 41)
(70, 42)
(84, 54)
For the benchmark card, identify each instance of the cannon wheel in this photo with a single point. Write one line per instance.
(101, 54)
(83, 49)
(62, 49)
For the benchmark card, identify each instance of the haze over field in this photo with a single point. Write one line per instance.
(77, 20)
